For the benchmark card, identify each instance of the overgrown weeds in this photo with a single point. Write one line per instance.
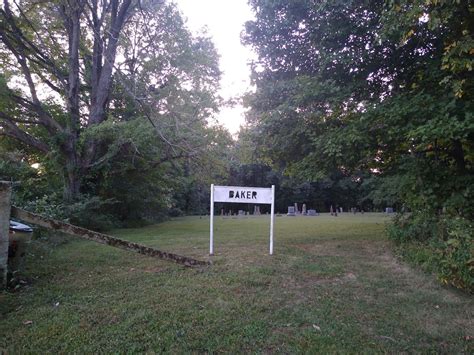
(441, 244)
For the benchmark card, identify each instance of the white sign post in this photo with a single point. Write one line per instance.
(239, 194)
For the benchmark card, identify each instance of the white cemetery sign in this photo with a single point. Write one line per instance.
(239, 194)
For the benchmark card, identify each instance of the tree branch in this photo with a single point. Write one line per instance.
(12, 130)
(118, 16)
(28, 48)
(44, 116)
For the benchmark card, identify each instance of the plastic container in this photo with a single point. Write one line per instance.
(19, 238)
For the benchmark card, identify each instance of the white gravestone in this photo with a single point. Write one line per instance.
(291, 211)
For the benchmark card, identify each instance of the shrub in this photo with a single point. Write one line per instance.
(456, 254)
(87, 211)
(441, 244)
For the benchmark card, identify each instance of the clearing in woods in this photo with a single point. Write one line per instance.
(333, 285)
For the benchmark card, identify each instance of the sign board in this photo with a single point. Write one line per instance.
(239, 194)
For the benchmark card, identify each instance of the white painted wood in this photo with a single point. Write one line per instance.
(211, 216)
(241, 194)
(272, 219)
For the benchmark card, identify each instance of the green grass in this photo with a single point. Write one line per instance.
(333, 285)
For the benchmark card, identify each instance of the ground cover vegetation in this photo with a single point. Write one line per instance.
(333, 286)
(106, 105)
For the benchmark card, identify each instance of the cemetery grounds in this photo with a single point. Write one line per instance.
(334, 284)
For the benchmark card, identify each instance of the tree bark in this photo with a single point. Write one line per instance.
(103, 61)
(103, 73)
(72, 13)
(72, 175)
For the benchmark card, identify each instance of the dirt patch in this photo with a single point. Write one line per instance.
(285, 331)
(322, 248)
(150, 270)
(98, 319)
(319, 280)
(389, 261)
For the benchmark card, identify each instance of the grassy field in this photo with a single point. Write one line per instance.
(333, 285)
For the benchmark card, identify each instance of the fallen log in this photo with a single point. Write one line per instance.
(101, 238)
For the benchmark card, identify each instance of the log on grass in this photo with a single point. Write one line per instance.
(101, 238)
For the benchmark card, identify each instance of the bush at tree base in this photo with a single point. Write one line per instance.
(441, 244)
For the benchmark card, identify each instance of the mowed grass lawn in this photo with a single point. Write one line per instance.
(333, 285)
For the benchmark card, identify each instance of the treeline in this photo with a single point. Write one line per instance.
(379, 93)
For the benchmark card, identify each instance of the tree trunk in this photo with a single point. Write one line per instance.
(72, 172)
(72, 184)
(458, 155)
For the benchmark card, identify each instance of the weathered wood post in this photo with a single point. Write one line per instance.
(5, 200)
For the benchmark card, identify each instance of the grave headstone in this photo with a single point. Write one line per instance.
(241, 213)
(296, 208)
(256, 210)
(222, 211)
(291, 211)
(340, 210)
(303, 209)
(312, 213)
(389, 210)
(331, 210)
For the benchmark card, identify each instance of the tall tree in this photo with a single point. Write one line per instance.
(45, 46)
(69, 66)
(361, 86)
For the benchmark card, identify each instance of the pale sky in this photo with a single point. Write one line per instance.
(224, 20)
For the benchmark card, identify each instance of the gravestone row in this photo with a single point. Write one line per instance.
(293, 211)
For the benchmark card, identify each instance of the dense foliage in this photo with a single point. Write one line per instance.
(110, 102)
(380, 93)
